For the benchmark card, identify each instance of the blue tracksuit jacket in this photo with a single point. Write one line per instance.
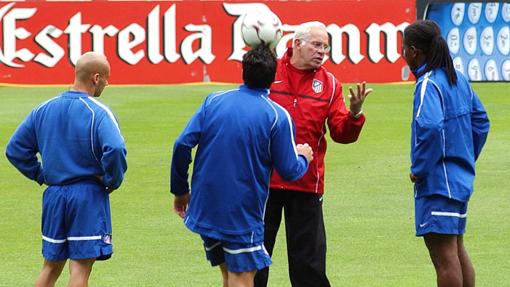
(241, 134)
(77, 138)
(449, 129)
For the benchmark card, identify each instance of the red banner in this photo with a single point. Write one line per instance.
(167, 42)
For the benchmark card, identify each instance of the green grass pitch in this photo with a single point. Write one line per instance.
(368, 205)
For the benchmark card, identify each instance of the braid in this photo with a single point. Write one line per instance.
(438, 56)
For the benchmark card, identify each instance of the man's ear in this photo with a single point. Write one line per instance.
(299, 42)
(414, 51)
(95, 78)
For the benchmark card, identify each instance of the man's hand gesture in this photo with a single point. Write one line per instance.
(356, 100)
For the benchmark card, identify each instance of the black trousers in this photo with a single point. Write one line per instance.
(306, 237)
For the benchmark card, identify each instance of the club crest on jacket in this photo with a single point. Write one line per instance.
(317, 86)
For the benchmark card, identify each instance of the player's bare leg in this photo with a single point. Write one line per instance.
(50, 272)
(241, 279)
(444, 254)
(468, 271)
(80, 272)
(224, 274)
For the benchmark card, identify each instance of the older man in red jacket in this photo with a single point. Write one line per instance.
(313, 97)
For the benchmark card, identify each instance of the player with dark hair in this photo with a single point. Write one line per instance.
(449, 129)
(426, 37)
(241, 136)
(259, 66)
(83, 159)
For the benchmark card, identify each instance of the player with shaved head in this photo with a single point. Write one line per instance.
(72, 143)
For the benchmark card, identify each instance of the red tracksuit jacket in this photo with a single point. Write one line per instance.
(312, 98)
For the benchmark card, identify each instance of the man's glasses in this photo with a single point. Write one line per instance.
(320, 46)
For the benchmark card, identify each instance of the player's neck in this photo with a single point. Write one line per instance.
(78, 87)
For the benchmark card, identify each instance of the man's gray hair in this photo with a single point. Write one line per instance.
(303, 30)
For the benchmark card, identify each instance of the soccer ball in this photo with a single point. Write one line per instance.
(261, 27)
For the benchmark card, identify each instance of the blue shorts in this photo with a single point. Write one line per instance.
(76, 222)
(439, 214)
(238, 257)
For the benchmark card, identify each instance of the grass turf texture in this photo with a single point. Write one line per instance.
(368, 206)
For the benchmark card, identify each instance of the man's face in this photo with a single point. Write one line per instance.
(409, 55)
(311, 51)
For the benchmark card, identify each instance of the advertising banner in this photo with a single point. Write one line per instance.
(168, 42)
(478, 35)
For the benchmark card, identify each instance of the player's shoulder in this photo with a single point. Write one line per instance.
(222, 93)
(45, 104)
(96, 105)
(99, 110)
(215, 96)
(462, 79)
(432, 83)
(279, 111)
(428, 78)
